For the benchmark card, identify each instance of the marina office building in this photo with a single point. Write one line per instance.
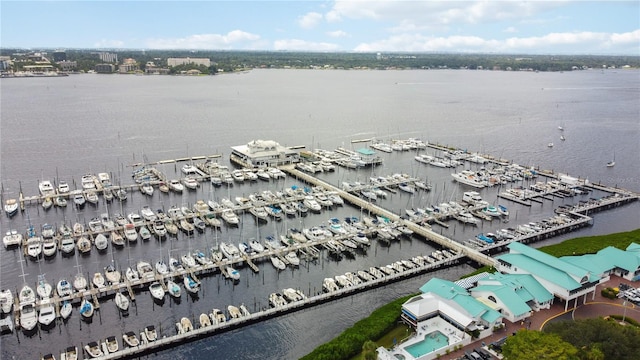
(263, 153)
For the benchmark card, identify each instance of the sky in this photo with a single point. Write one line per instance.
(489, 26)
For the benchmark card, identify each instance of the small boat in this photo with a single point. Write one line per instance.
(144, 232)
(12, 238)
(28, 316)
(70, 353)
(93, 349)
(64, 288)
(112, 344)
(184, 326)
(43, 288)
(130, 233)
(6, 301)
(550, 145)
(86, 308)
(67, 245)
(175, 265)
(112, 275)
(11, 207)
(145, 270)
(49, 247)
(292, 258)
(117, 239)
(176, 185)
(156, 290)
(59, 201)
(98, 280)
(188, 261)
(256, 246)
(132, 275)
(26, 295)
(47, 313)
(150, 333)
(84, 244)
(161, 267)
(122, 301)
(173, 289)
(217, 316)
(65, 310)
(612, 163)
(277, 263)
(204, 320)
(146, 189)
(47, 203)
(80, 282)
(232, 273)
(234, 312)
(191, 285)
(130, 339)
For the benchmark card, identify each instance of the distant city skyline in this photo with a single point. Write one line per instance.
(525, 27)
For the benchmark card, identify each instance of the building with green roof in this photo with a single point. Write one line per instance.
(563, 279)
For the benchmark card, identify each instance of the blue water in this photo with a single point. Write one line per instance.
(63, 128)
(432, 342)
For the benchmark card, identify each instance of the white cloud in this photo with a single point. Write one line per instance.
(104, 43)
(309, 20)
(302, 45)
(337, 34)
(232, 39)
(510, 29)
(437, 13)
(568, 42)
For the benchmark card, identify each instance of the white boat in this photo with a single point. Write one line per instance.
(184, 326)
(12, 238)
(190, 183)
(159, 228)
(311, 203)
(47, 313)
(122, 301)
(11, 207)
(550, 145)
(217, 317)
(191, 285)
(79, 282)
(259, 212)
(173, 289)
(277, 300)
(292, 258)
(146, 189)
(64, 288)
(156, 291)
(65, 310)
(43, 288)
(256, 246)
(86, 308)
(470, 178)
(329, 285)
(100, 241)
(161, 267)
(277, 263)
(612, 163)
(293, 295)
(145, 270)
(204, 320)
(232, 273)
(28, 316)
(188, 261)
(47, 203)
(130, 233)
(26, 295)
(117, 239)
(49, 247)
(150, 333)
(70, 353)
(135, 219)
(230, 217)
(230, 251)
(93, 349)
(46, 188)
(59, 201)
(34, 246)
(144, 232)
(6, 301)
(234, 312)
(130, 339)
(132, 275)
(176, 185)
(92, 197)
(111, 343)
(68, 245)
(98, 280)
(175, 265)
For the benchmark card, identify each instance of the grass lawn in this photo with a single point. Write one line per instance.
(399, 332)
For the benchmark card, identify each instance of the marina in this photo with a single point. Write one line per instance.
(409, 214)
(378, 223)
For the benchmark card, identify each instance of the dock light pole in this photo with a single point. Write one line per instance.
(624, 314)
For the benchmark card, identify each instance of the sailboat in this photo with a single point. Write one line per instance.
(612, 163)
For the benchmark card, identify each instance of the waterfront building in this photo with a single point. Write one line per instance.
(515, 296)
(561, 278)
(104, 68)
(263, 153)
(611, 260)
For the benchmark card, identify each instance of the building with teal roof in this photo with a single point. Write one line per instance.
(447, 300)
(624, 263)
(563, 279)
(515, 296)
